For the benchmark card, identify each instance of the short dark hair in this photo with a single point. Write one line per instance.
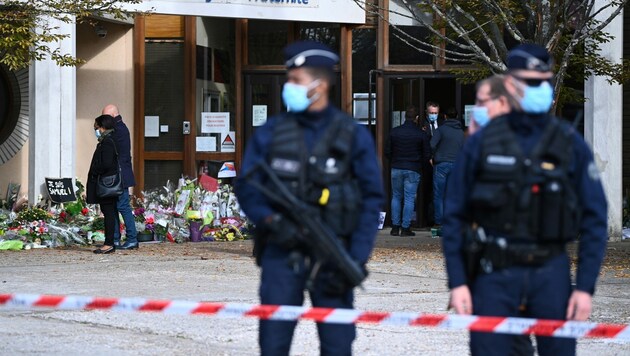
(105, 121)
(451, 113)
(321, 73)
(411, 112)
(432, 104)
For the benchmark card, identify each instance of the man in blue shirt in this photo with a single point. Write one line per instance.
(522, 188)
(314, 148)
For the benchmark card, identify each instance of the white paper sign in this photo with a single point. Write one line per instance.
(228, 143)
(215, 122)
(259, 115)
(151, 126)
(468, 114)
(182, 201)
(206, 144)
(163, 128)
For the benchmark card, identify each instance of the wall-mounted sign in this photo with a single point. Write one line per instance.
(151, 126)
(259, 115)
(468, 114)
(206, 144)
(215, 122)
(229, 142)
(339, 11)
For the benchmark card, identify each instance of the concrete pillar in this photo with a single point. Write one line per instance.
(604, 125)
(52, 117)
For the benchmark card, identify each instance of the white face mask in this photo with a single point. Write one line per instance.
(97, 133)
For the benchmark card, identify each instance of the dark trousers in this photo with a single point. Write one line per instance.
(108, 207)
(282, 285)
(544, 290)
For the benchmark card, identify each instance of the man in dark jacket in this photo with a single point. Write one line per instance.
(123, 142)
(408, 149)
(446, 143)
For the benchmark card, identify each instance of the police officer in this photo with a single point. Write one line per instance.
(313, 145)
(524, 187)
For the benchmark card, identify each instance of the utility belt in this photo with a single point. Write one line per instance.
(489, 253)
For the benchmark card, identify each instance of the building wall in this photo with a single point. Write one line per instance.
(105, 78)
(15, 171)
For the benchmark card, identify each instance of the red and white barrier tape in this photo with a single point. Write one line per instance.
(517, 326)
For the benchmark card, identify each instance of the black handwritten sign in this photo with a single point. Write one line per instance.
(60, 190)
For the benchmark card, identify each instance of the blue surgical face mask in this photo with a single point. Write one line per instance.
(480, 115)
(432, 117)
(97, 133)
(295, 96)
(537, 100)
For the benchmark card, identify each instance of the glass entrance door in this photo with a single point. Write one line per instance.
(417, 90)
(263, 99)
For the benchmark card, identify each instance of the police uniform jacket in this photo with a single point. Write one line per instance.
(584, 178)
(364, 167)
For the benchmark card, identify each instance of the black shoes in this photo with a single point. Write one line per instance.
(407, 232)
(129, 246)
(100, 251)
(395, 230)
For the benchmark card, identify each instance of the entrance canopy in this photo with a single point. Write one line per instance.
(336, 11)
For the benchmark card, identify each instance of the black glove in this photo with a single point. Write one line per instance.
(335, 283)
(282, 231)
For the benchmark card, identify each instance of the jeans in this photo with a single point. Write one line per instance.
(440, 174)
(124, 208)
(544, 289)
(404, 188)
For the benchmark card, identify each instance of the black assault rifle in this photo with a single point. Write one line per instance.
(315, 235)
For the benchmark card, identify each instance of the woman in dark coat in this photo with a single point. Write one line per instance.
(104, 162)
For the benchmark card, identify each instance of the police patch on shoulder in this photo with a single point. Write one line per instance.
(593, 172)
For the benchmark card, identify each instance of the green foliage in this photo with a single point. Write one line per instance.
(26, 34)
(98, 224)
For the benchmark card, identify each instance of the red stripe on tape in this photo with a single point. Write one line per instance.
(207, 308)
(317, 314)
(102, 303)
(486, 323)
(544, 327)
(49, 301)
(4, 298)
(429, 320)
(155, 305)
(610, 330)
(371, 317)
(263, 311)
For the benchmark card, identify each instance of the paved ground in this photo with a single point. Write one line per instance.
(407, 274)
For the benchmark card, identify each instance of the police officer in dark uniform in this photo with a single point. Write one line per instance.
(523, 188)
(313, 145)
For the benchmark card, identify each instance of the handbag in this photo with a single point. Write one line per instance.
(110, 186)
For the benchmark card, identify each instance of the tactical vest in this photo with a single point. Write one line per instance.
(321, 178)
(526, 198)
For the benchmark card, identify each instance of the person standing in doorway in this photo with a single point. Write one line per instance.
(446, 143)
(433, 120)
(123, 143)
(408, 149)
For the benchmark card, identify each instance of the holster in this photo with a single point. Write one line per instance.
(474, 248)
